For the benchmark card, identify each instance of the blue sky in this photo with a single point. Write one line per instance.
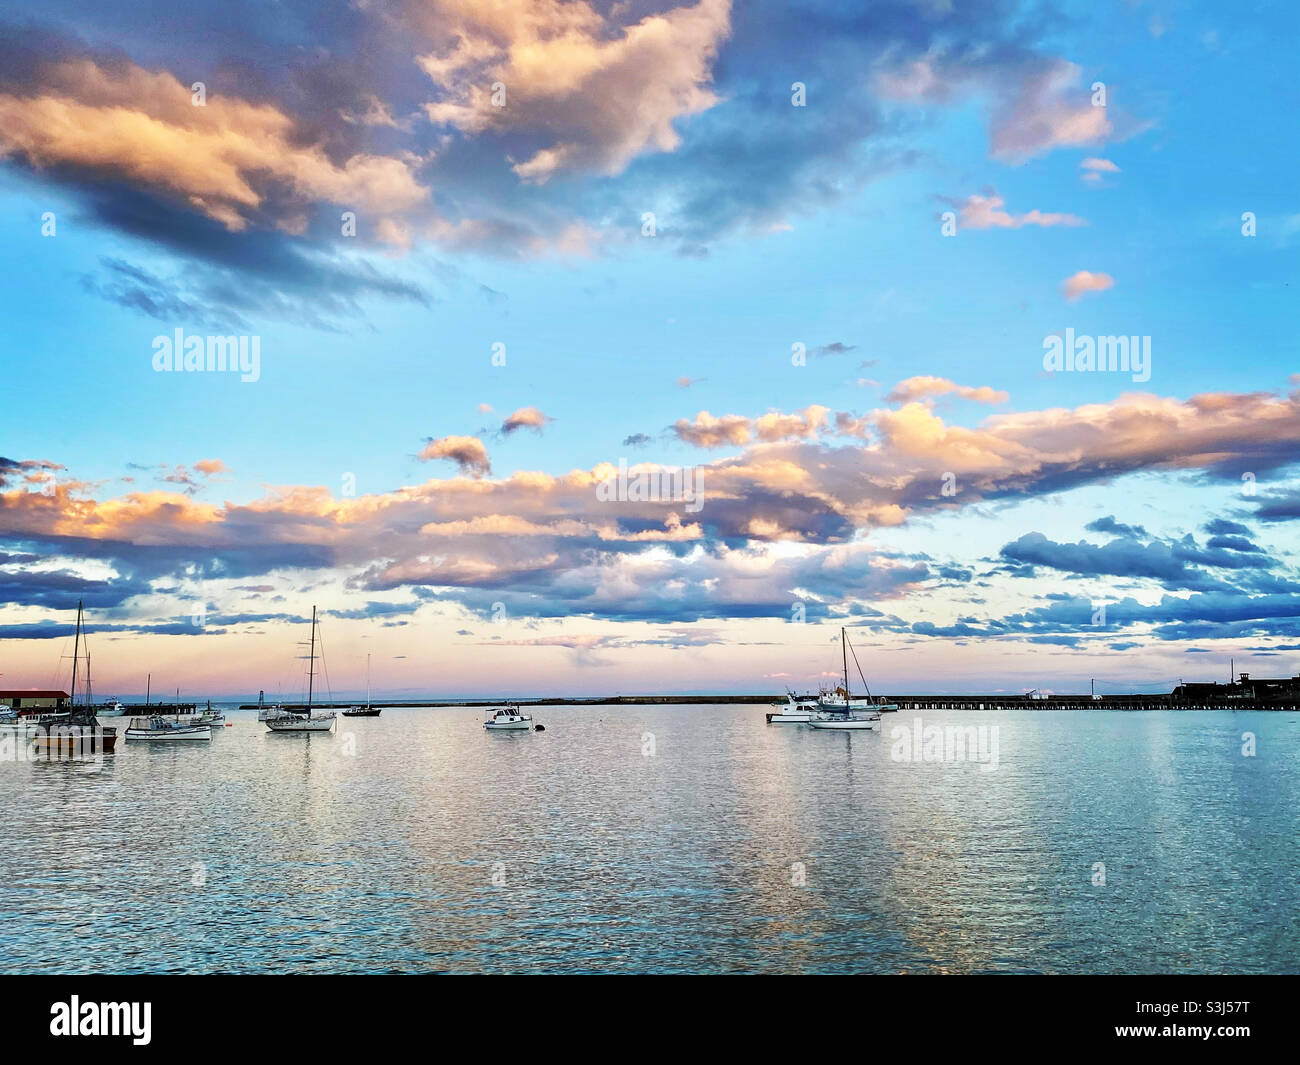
(775, 225)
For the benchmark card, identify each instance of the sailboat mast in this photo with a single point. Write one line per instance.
(76, 654)
(311, 662)
(844, 648)
(367, 682)
(148, 688)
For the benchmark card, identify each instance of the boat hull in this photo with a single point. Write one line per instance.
(788, 719)
(362, 713)
(291, 724)
(846, 724)
(74, 740)
(184, 734)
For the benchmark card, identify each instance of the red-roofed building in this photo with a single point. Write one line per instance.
(34, 699)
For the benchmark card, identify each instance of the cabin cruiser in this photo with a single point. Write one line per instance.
(509, 718)
(794, 709)
(159, 728)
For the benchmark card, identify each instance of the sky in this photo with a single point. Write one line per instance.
(833, 275)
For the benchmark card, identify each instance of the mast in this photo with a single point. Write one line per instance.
(76, 653)
(148, 684)
(367, 682)
(844, 649)
(311, 661)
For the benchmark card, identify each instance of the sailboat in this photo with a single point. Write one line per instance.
(367, 710)
(838, 709)
(301, 721)
(80, 731)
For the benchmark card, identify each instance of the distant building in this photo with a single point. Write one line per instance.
(34, 699)
(1246, 689)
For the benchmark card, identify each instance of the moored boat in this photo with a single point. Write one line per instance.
(367, 710)
(159, 729)
(77, 733)
(838, 709)
(297, 722)
(793, 710)
(509, 718)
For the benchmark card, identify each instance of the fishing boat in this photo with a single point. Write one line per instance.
(113, 709)
(159, 729)
(214, 719)
(837, 709)
(78, 731)
(298, 722)
(793, 710)
(508, 718)
(367, 710)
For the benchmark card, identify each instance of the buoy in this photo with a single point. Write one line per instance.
(539, 728)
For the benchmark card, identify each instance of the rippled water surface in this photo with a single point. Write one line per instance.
(663, 839)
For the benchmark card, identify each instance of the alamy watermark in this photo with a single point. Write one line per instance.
(663, 484)
(1087, 354)
(946, 744)
(179, 353)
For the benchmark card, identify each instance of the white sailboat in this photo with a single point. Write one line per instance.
(838, 709)
(302, 721)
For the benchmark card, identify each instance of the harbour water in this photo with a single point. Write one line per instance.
(664, 839)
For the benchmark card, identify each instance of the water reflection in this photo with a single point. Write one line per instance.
(660, 839)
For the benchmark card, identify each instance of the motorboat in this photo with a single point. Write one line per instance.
(793, 710)
(160, 729)
(509, 718)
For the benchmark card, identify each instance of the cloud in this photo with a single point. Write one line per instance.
(209, 467)
(467, 452)
(706, 431)
(783, 509)
(922, 387)
(1084, 281)
(594, 91)
(986, 212)
(228, 159)
(1037, 103)
(636, 440)
(525, 418)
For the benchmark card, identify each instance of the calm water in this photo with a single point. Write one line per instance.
(376, 849)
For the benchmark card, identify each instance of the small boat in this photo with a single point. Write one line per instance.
(160, 729)
(7, 713)
(509, 718)
(367, 710)
(297, 722)
(839, 710)
(77, 731)
(113, 709)
(794, 710)
(214, 719)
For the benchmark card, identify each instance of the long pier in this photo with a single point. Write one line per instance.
(905, 702)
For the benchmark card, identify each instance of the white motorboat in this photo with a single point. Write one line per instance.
(113, 709)
(793, 710)
(509, 718)
(298, 722)
(160, 729)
